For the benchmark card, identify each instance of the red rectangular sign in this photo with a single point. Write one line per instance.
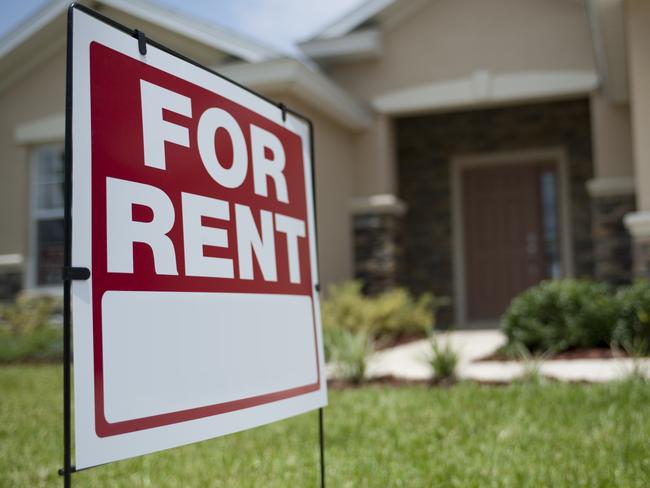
(116, 109)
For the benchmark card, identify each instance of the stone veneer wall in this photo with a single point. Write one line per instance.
(427, 143)
(10, 285)
(641, 257)
(612, 241)
(377, 250)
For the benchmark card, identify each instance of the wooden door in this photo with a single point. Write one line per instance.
(502, 235)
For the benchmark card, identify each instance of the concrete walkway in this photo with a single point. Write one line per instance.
(409, 361)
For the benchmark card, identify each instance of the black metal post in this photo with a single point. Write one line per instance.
(67, 437)
(312, 154)
(67, 262)
(321, 435)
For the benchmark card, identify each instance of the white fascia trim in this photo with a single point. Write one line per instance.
(46, 129)
(20, 67)
(591, 8)
(11, 261)
(611, 186)
(32, 25)
(483, 88)
(607, 24)
(208, 34)
(378, 205)
(361, 45)
(270, 75)
(355, 18)
(638, 223)
(399, 11)
(293, 77)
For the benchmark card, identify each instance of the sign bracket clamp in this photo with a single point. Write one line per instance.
(283, 108)
(62, 471)
(72, 273)
(142, 41)
(69, 274)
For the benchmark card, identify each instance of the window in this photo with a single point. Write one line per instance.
(550, 224)
(47, 215)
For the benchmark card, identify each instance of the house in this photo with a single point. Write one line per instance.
(469, 148)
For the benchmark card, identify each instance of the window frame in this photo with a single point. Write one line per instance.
(36, 215)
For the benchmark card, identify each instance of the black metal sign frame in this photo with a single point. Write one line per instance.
(70, 273)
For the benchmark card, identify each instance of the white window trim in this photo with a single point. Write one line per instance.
(30, 284)
(11, 261)
(46, 130)
(556, 156)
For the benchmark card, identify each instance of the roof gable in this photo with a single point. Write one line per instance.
(358, 36)
(458, 53)
(46, 29)
(209, 34)
(370, 12)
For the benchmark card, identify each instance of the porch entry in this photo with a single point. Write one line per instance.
(511, 233)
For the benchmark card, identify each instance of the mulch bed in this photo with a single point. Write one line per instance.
(594, 353)
(393, 382)
(388, 380)
(400, 340)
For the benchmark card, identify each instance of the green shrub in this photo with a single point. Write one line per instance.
(348, 351)
(632, 329)
(27, 314)
(26, 332)
(443, 361)
(42, 344)
(386, 316)
(345, 307)
(560, 315)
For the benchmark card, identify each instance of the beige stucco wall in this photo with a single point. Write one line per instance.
(612, 138)
(374, 158)
(451, 39)
(334, 162)
(39, 94)
(638, 42)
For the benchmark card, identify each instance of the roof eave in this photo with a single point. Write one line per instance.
(353, 19)
(211, 36)
(292, 77)
(361, 45)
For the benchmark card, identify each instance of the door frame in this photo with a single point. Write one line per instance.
(553, 155)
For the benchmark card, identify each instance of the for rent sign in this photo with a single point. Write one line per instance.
(193, 209)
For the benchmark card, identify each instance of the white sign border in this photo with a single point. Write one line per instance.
(90, 449)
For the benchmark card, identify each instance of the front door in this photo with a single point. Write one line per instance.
(510, 229)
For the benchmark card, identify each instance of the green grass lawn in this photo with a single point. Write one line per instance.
(468, 436)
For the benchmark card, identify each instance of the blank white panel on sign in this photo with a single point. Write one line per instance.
(236, 346)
